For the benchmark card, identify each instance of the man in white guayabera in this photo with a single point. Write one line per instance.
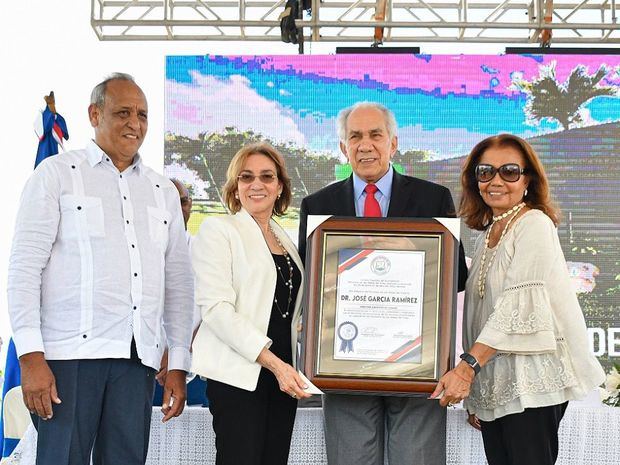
(99, 264)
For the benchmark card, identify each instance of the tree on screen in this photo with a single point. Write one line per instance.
(547, 98)
(209, 155)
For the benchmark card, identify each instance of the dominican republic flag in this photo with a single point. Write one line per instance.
(12, 379)
(51, 129)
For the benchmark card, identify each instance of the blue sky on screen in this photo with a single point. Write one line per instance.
(443, 104)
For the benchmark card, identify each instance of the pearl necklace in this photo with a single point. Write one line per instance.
(484, 270)
(506, 214)
(289, 282)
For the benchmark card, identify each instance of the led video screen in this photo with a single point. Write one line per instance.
(566, 106)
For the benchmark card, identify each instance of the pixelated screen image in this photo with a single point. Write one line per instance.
(566, 106)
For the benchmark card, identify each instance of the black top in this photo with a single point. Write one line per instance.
(279, 330)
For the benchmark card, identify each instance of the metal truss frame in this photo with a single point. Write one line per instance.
(405, 21)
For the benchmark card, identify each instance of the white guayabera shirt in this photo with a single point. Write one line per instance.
(100, 257)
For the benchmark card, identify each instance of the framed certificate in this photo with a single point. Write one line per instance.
(380, 308)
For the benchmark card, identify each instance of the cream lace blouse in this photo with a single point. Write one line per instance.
(531, 315)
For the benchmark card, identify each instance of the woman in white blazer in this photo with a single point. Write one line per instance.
(249, 281)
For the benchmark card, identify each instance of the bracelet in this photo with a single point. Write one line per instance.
(471, 361)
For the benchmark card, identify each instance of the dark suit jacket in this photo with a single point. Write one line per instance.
(411, 197)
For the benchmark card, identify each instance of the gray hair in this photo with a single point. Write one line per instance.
(97, 96)
(341, 120)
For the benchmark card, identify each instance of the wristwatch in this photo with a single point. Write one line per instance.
(471, 361)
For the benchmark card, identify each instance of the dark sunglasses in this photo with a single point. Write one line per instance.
(510, 172)
(265, 178)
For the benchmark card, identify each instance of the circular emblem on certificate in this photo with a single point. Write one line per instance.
(347, 332)
(380, 265)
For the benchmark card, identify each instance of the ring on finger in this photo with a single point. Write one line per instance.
(294, 396)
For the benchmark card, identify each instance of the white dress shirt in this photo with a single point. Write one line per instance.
(100, 257)
(197, 317)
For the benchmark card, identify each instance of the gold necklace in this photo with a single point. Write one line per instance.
(484, 270)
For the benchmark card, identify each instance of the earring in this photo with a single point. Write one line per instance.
(237, 196)
(525, 192)
(279, 196)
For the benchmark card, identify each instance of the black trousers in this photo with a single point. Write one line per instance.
(105, 410)
(251, 427)
(526, 438)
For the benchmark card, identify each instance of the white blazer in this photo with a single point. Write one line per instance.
(235, 286)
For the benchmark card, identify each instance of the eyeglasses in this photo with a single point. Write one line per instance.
(510, 172)
(265, 178)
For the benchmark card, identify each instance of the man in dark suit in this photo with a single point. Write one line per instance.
(357, 427)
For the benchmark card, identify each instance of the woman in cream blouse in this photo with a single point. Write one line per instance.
(249, 282)
(528, 350)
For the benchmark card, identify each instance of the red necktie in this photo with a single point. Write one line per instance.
(371, 206)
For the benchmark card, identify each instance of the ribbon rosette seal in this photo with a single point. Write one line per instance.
(347, 332)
